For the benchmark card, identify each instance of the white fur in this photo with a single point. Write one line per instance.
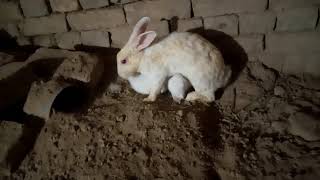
(143, 84)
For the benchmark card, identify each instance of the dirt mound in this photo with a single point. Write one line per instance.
(265, 126)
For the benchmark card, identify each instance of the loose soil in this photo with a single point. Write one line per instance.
(265, 126)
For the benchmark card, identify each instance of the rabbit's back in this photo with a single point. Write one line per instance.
(191, 55)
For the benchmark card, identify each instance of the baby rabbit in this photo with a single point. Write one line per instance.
(184, 53)
(177, 85)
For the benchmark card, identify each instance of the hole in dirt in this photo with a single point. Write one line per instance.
(209, 124)
(71, 99)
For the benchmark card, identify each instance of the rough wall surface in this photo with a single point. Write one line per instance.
(283, 34)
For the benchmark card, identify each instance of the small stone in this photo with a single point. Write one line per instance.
(114, 88)
(121, 118)
(279, 126)
(279, 91)
(180, 113)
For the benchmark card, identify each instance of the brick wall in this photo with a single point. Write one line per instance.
(283, 34)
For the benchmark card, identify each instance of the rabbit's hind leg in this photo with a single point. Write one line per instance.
(203, 97)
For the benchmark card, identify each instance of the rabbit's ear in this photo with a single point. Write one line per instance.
(144, 40)
(139, 28)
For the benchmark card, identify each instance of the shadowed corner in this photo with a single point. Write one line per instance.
(8, 44)
(209, 124)
(212, 174)
(107, 58)
(7, 41)
(31, 130)
(232, 52)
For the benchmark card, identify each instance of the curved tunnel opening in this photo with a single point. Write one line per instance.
(71, 99)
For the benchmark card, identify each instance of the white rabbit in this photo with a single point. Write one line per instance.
(178, 87)
(183, 53)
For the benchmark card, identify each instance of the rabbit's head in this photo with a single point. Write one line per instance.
(129, 57)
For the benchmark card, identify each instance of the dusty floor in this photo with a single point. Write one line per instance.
(266, 126)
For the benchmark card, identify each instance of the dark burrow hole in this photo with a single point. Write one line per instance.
(71, 99)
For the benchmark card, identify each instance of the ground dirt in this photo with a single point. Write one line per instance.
(265, 126)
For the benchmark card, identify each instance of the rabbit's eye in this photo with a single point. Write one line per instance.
(124, 61)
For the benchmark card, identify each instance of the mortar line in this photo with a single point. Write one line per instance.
(48, 6)
(317, 22)
(264, 42)
(275, 24)
(125, 14)
(191, 6)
